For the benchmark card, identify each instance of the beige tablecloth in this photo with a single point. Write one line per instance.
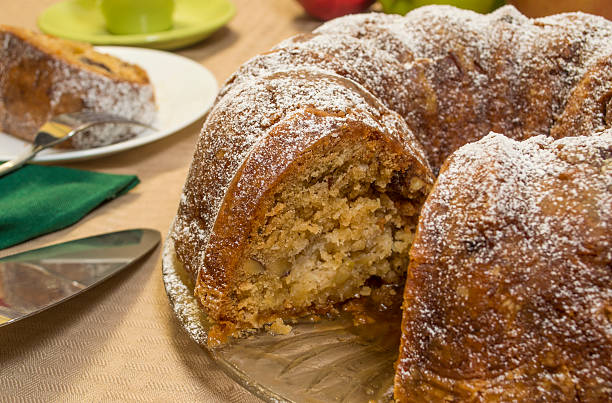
(120, 341)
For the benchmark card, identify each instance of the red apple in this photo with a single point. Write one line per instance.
(328, 9)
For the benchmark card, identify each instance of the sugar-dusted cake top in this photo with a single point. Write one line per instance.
(509, 289)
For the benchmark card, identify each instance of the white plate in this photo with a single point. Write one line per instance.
(184, 91)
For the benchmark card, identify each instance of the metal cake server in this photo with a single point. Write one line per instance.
(33, 281)
(62, 127)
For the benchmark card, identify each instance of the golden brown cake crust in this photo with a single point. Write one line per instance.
(509, 290)
(42, 76)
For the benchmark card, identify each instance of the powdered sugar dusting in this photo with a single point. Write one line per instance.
(356, 59)
(103, 94)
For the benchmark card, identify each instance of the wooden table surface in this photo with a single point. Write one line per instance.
(120, 340)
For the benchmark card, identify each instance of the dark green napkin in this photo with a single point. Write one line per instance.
(35, 200)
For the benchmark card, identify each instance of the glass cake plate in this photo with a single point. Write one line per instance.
(325, 361)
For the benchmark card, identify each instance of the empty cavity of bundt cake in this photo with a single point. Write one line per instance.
(350, 219)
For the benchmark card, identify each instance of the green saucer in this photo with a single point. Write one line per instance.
(82, 20)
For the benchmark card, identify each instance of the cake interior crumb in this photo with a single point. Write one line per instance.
(279, 327)
(340, 231)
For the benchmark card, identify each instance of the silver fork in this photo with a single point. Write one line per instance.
(59, 129)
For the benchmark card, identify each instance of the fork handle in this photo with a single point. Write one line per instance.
(18, 161)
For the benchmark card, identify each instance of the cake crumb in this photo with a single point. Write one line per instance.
(278, 327)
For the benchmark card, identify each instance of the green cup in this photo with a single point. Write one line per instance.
(125, 17)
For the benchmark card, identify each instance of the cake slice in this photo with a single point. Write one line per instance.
(42, 76)
(303, 193)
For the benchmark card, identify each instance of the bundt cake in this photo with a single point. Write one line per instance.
(42, 76)
(509, 291)
(313, 165)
